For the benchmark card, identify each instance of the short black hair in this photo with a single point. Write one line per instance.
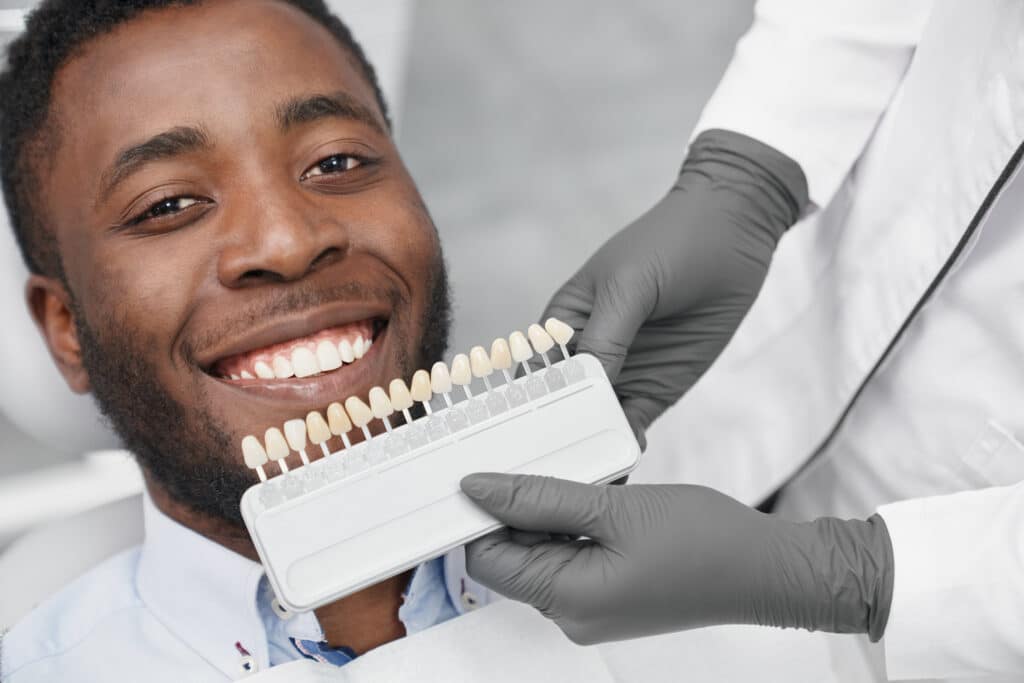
(54, 31)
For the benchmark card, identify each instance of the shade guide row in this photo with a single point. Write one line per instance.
(341, 418)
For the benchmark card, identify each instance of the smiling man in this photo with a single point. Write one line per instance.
(199, 189)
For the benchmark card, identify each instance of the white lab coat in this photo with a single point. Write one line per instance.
(884, 358)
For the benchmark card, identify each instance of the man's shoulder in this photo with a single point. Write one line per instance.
(98, 604)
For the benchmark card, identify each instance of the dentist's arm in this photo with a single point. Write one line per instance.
(668, 558)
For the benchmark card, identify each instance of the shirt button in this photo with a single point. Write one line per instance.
(469, 601)
(280, 610)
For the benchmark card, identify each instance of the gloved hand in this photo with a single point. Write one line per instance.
(673, 557)
(660, 300)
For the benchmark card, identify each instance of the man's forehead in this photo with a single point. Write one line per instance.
(227, 61)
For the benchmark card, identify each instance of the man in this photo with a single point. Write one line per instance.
(195, 186)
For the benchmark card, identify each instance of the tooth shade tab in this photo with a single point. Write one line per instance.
(440, 380)
(401, 399)
(346, 351)
(327, 356)
(337, 419)
(480, 362)
(521, 351)
(559, 331)
(358, 411)
(501, 356)
(295, 433)
(380, 404)
(541, 340)
(277, 447)
(317, 428)
(461, 373)
(421, 390)
(253, 452)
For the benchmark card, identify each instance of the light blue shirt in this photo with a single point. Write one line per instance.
(180, 608)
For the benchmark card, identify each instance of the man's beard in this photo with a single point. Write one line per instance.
(186, 451)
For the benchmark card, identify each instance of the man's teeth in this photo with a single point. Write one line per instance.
(303, 362)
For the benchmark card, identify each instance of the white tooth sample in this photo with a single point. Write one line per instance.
(358, 348)
(337, 419)
(327, 356)
(295, 433)
(440, 380)
(277, 446)
(559, 331)
(304, 362)
(263, 370)
(246, 374)
(359, 412)
(501, 356)
(380, 404)
(346, 351)
(317, 428)
(541, 340)
(521, 350)
(283, 367)
(401, 399)
(420, 389)
(480, 362)
(461, 373)
(253, 452)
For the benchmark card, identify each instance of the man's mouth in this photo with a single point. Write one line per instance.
(323, 351)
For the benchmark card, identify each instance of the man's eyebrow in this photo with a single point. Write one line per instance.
(166, 145)
(308, 108)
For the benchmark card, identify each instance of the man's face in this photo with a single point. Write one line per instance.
(272, 212)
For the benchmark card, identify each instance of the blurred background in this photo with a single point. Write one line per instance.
(534, 129)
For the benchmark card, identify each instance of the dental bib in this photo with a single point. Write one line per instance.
(371, 510)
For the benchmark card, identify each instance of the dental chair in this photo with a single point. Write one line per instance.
(62, 543)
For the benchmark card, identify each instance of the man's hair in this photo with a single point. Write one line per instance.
(53, 33)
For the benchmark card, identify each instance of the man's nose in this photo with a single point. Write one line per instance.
(280, 238)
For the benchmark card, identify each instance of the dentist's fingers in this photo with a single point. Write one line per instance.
(542, 504)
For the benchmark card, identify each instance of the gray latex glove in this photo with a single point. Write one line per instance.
(673, 557)
(659, 301)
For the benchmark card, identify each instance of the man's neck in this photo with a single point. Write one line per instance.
(361, 621)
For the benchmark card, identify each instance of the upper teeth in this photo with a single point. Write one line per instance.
(306, 362)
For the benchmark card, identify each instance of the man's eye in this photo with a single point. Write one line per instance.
(337, 163)
(166, 207)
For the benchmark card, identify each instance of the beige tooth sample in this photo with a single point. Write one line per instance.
(345, 350)
(541, 340)
(327, 356)
(277, 447)
(283, 367)
(295, 434)
(337, 419)
(480, 362)
(559, 331)
(461, 373)
(401, 399)
(521, 350)
(380, 404)
(501, 356)
(358, 411)
(263, 370)
(440, 380)
(253, 452)
(304, 362)
(317, 428)
(421, 390)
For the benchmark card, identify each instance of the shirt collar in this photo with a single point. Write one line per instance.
(203, 593)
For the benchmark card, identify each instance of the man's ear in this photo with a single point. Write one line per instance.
(50, 306)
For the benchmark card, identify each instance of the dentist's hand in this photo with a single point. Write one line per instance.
(658, 302)
(667, 558)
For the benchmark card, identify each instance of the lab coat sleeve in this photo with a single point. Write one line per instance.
(958, 592)
(812, 78)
